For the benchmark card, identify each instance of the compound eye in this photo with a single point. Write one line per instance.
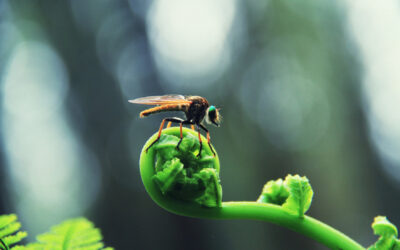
(212, 113)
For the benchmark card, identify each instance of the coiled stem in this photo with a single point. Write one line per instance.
(166, 171)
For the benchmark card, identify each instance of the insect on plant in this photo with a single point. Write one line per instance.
(196, 108)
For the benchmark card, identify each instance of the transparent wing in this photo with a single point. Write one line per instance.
(161, 100)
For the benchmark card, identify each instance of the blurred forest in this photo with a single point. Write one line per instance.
(304, 87)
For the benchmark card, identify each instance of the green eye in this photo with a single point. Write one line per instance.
(211, 109)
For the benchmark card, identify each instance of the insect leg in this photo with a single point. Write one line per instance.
(208, 138)
(201, 143)
(192, 126)
(180, 127)
(169, 124)
(159, 134)
(172, 119)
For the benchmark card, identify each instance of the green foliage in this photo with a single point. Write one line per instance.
(294, 194)
(274, 192)
(173, 177)
(387, 235)
(300, 195)
(168, 174)
(183, 175)
(9, 234)
(71, 234)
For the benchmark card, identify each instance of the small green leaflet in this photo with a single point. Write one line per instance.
(71, 234)
(166, 178)
(294, 194)
(300, 195)
(274, 192)
(182, 175)
(212, 196)
(388, 235)
(9, 233)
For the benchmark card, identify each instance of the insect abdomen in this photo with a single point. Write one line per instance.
(163, 108)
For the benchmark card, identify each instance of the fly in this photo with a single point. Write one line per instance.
(196, 109)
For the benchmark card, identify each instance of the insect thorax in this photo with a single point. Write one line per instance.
(197, 109)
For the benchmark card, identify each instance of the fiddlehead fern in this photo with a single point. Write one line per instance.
(182, 184)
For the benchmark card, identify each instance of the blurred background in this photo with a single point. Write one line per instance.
(305, 87)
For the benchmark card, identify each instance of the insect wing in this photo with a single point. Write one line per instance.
(161, 100)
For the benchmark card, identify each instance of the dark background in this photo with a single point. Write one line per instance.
(304, 87)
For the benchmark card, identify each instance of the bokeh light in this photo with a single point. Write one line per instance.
(292, 111)
(375, 29)
(190, 38)
(44, 156)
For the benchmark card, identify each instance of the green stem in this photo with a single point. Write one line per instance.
(308, 226)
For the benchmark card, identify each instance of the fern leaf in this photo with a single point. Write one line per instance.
(300, 195)
(387, 234)
(275, 192)
(71, 234)
(9, 233)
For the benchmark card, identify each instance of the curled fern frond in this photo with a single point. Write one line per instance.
(76, 233)
(300, 195)
(184, 184)
(387, 234)
(177, 179)
(274, 192)
(294, 194)
(9, 233)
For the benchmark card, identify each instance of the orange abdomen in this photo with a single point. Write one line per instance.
(163, 108)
